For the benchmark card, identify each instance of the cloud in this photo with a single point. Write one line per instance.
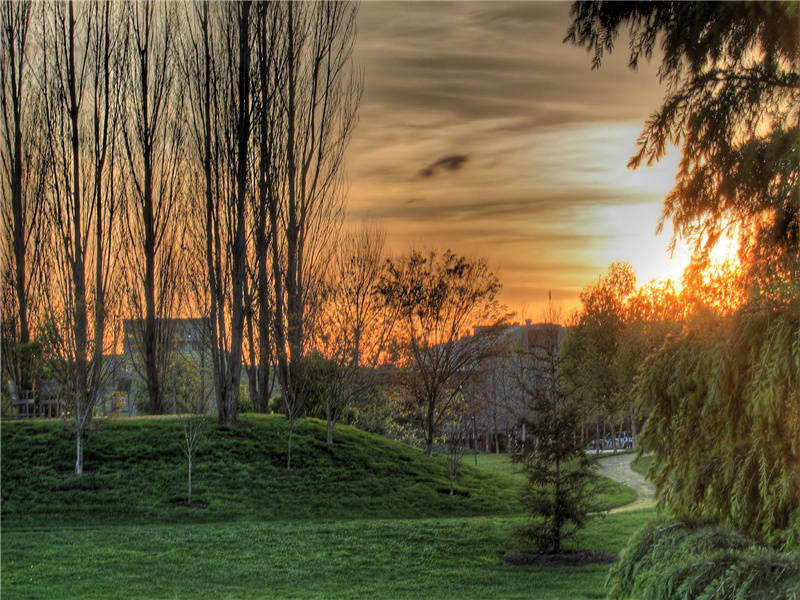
(453, 162)
(546, 190)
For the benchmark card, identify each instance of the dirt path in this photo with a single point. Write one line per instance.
(619, 469)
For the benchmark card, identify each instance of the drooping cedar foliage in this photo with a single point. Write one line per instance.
(724, 397)
(680, 560)
(731, 72)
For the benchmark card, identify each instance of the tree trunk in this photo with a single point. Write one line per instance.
(429, 427)
(289, 445)
(189, 483)
(150, 335)
(79, 452)
(475, 436)
(597, 440)
(330, 432)
(614, 437)
(633, 431)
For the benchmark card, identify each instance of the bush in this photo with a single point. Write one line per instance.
(276, 405)
(245, 401)
(688, 560)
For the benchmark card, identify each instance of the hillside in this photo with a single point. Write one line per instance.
(136, 472)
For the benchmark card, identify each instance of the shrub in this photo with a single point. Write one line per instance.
(688, 560)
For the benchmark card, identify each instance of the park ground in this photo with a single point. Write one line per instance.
(433, 550)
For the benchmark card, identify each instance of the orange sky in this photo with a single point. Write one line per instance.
(481, 132)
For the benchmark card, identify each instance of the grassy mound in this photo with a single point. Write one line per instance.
(136, 473)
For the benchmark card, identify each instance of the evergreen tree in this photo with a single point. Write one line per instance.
(561, 486)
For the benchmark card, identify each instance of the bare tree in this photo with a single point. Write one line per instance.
(456, 438)
(24, 158)
(317, 96)
(218, 74)
(82, 58)
(268, 130)
(438, 299)
(193, 419)
(153, 136)
(354, 324)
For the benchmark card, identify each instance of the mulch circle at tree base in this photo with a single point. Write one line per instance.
(566, 558)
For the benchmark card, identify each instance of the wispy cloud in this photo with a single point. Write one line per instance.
(538, 141)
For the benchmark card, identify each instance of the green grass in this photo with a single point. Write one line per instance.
(366, 558)
(137, 473)
(642, 465)
(613, 495)
(365, 518)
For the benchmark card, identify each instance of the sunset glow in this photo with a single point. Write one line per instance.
(481, 132)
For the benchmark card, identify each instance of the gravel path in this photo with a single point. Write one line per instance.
(619, 469)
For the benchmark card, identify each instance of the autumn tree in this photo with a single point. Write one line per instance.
(438, 298)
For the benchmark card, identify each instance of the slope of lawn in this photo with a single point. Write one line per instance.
(136, 472)
(368, 517)
(642, 464)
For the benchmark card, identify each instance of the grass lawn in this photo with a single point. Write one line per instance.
(366, 558)
(614, 494)
(642, 465)
(366, 518)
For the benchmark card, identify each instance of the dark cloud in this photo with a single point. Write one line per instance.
(452, 162)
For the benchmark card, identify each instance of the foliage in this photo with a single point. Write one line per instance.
(736, 380)
(374, 411)
(589, 352)
(695, 561)
(397, 559)
(189, 380)
(437, 299)
(732, 79)
(561, 490)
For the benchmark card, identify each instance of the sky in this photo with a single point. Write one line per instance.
(480, 131)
